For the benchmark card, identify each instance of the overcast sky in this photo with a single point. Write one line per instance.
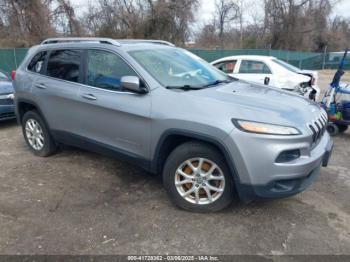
(252, 8)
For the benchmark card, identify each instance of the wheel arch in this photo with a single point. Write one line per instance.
(170, 139)
(23, 106)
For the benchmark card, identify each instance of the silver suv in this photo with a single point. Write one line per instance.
(160, 107)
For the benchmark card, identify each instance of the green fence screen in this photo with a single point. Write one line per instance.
(11, 58)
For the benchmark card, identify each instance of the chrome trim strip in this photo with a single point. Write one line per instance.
(80, 84)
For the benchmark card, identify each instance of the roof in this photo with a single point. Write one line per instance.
(255, 57)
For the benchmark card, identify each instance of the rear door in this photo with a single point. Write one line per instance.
(111, 116)
(254, 71)
(56, 88)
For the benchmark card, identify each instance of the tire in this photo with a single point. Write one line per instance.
(221, 179)
(332, 129)
(34, 129)
(342, 128)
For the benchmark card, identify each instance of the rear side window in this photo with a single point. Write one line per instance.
(253, 67)
(37, 65)
(65, 64)
(106, 69)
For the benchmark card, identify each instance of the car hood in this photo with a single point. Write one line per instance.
(6, 87)
(242, 100)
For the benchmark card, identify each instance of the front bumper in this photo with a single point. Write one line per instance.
(7, 109)
(258, 175)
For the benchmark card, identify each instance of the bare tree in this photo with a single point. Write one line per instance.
(64, 17)
(297, 24)
(284, 24)
(24, 22)
(226, 12)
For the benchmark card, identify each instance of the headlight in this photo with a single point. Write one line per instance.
(8, 96)
(264, 128)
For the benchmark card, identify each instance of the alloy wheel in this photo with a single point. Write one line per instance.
(34, 134)
(199, 181)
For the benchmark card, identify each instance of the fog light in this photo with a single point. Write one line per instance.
(288, 156)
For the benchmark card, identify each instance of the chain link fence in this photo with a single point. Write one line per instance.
(11, 58)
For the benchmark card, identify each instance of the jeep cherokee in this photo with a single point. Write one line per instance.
(210, 136)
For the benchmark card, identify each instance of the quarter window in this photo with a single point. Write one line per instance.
(253, 67)
(227, 67)
(106, 69)
(37, 65)
(64, 64)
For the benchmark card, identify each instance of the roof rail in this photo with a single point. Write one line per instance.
(131, 41)
(80, 39)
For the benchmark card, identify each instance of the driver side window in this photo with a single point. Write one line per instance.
(105, 70)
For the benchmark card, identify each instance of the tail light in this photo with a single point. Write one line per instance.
(13, 74)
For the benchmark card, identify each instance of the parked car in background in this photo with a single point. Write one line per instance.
(7, 108)
(271, 71)
(170, 112)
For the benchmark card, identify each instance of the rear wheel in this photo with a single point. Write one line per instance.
(342, 128)
(36, 135)
(197, 178)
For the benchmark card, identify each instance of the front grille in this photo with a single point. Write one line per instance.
(6, 102)
(318, 127)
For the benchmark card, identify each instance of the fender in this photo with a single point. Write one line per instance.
(195, 136)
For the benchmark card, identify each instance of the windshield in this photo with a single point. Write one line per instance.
(286, 66)
(174, 67)
(3, 77)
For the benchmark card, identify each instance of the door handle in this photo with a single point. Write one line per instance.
(40, 86)
(89, 97)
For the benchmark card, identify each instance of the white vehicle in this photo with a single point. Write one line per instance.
(271, 71)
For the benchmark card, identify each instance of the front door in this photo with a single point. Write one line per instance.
(110, 116)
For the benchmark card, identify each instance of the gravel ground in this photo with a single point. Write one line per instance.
(77, 202)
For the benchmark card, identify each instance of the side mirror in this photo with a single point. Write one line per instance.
(267, 81)
(132, 83)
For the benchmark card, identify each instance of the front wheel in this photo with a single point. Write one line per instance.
(197, 178)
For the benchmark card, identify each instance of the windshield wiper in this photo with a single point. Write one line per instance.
(184, 87)
(217, 82)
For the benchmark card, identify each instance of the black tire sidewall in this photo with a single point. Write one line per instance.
(49, 145)
(332, 129)
(342, 128)
(192, 150)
